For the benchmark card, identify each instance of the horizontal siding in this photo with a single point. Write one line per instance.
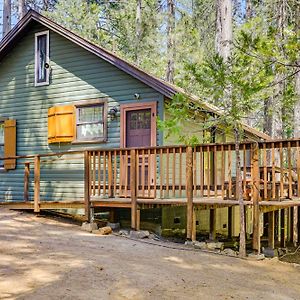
(76, 75)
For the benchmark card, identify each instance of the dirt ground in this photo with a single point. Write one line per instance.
(42, 258)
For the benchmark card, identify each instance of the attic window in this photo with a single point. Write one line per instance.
(42, 58)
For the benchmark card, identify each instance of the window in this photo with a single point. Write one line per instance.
(42, 58)
(1, 144)
(91, 121)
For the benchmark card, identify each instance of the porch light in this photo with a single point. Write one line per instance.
(113, 113)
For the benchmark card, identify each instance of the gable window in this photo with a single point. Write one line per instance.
(91, 121)
(1, 144)
(42, 58)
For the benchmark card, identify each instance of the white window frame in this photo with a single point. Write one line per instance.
(36, 59)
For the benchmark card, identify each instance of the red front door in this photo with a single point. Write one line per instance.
(138, 128)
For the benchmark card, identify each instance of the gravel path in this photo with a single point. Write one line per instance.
(42, 258)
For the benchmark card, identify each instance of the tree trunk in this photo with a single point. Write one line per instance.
(297, 83)
(21, 9)
(171, 41)
(239, 193)
(224, 28)
(6, 17)
(138, 29)
(249, 9)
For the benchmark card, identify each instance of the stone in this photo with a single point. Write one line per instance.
(113, 226)
(103, 231)
(200, 245)
(89, 227)
(189, 243)
(215, 245)
(269, 252)
(229, 252)
(123, 232)
(141, 234)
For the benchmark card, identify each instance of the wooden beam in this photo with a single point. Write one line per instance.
(282, 228)
(189, 191)
(295, 226)
(194, 231)
(133, 189)
(255, 198)
(26, 181)
(229, 222)
(271, 229)
(212, 224)
(87, 186)
(37, 183)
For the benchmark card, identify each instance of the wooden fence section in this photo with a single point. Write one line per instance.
(270, 169)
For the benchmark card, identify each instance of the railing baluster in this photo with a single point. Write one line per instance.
(298, 169)
(180, 172)
(215, 170)
(265, 172)
(208, 171)
(173, 172)
(202, 173)
(143, 173)
(104, 173)
(281, 172)
(149, 172)
(222, 171)
(126, 172)
(99, 173)
(115, 173)
(167, 173)
(290, 170)
(161, 172)
(273, 173)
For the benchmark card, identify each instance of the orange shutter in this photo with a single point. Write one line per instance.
(10, 134)
(61, 124)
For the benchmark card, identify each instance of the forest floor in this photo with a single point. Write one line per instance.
(44, 258)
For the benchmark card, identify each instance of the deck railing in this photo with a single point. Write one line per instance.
(272, 168)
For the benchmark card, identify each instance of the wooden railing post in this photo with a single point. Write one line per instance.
(133, 189)
(37, 183)
(87, 186)
(189, 193)
(255, 197)
(26, 181)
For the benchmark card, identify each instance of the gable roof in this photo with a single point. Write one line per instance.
(165, 88)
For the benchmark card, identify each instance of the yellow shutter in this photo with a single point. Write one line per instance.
(10, 134)
(61, 124)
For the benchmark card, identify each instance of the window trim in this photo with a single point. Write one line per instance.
(87, 103)
(36, 83)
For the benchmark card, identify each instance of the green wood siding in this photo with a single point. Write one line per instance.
(76, 75)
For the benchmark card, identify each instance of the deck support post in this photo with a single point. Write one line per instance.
(26, 181)
(37, 183)
(271, 231)
(138, 219)
(212, 224)
(282, 228)
(133, 189)
(255, 198)
(229, 222)
(189, 193)
(87, 186)
(194, 231)
(295, 226)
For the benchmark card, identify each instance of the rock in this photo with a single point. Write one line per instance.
(123, 232)
(200, 245)
(113, 226)
(214, 245)
(189, 243)
(89, 227)
(103, 230)
(269, 252)
(229, 252)
(141, 234)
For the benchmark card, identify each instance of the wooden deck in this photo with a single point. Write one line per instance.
(202, 177)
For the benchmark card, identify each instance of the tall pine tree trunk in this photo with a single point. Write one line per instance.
(138, 29)
(171, 41)
(6, 17)
(224, 28)
(297, 82)
(223, 48)
(21, 9)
